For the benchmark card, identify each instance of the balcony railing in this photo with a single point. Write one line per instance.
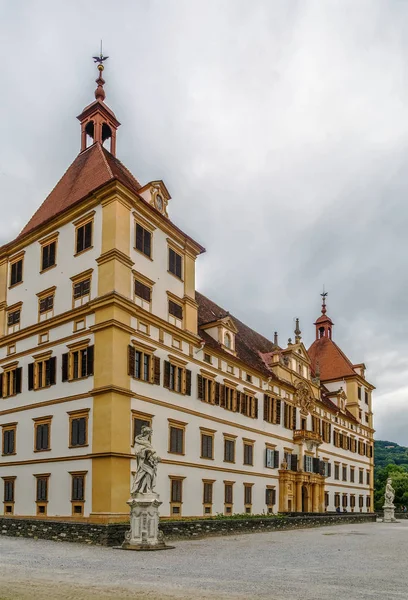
(302, 435)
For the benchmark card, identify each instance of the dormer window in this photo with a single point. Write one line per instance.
(227, 340)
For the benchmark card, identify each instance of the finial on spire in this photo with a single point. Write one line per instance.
(275, 338)
(324, 295)
(100, 92)
(297, 332)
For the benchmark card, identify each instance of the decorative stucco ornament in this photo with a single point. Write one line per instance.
(303, 397)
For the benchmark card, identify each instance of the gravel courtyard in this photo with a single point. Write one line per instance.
(343, 562)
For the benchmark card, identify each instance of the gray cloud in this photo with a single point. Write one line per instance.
(281, 130)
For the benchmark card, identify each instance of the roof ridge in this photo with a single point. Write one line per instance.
(105, 160)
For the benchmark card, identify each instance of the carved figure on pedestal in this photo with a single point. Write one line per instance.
(144, 480)
(389, 494)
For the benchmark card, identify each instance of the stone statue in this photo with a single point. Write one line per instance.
(389, 494)
(144, 480)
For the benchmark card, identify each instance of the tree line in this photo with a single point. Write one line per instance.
(390, 460)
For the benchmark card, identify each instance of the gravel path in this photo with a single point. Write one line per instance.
(344, 562)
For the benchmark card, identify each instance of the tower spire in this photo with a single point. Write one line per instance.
(324, 296)
(98, 122)
(324, 324)
(297, 332)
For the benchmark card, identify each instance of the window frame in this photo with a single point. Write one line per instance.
(208, 484)
(13, 309)
(210, 433)
(82, 223)
(11, 380)
(46, 243)
(78, 279)
(9, 504)
(44, 315)
(38, 422)
(176, 505)
(70, 363)
(76, 415)
(145, 418)
(146, 228)
(78, 503)
(233, 440)
(5, 428)
(248, 505)
(178, 252)
(179, 426)
(178, 374)
(246, 444)
(39, 370)
(14, 261)
(42, 504)
(135, 349)
(171, 317)
(270, 490)
(228, 506)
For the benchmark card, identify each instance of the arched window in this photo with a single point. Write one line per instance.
(227, 340)
(321, 332)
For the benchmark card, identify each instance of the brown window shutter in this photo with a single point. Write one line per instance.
(19, 374)
(266, 403)
(131, 361)
(156, 380)
(217, 394)
(294, 418)
(276, 459)
(200, 394)
(166, 378)
(1, 385)
(278, 411)
(256, 408)
(238, 401)
(188, 382)
(31, 376)
(223, 391)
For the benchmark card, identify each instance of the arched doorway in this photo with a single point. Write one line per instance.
(305, 498)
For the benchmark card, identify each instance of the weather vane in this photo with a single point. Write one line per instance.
(324, 296)
(99, 59)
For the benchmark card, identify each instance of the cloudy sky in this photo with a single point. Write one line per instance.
(280, 128)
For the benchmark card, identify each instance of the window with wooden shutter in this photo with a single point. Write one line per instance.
(78, 428)
(78, 488)
(207, 444)
(140, 420)
(42, 373)
(78, 363)
(177, 378)
(11, 381)
(228, 497)
(9, 489)
(229, 450)
(271, 458)
(48, 255)
(176, 495)
(207, 496)
(84, 237)
(143, 240)
(141, 364)
(46, 306)
(13, 320)
(42, 428)
(176, 438)
(344, 473)
(175, 263)
(270, 497)
(9, 438)
(336, 472)
(16, 272)
(248, 497)
(142, 291)
(42, 490)
(248, 453)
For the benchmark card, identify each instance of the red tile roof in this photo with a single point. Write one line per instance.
(249, 345)
(329, 359)
(91, 169)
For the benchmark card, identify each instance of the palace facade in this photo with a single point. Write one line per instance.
(102, 331)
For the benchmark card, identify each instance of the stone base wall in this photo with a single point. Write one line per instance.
(113, 534)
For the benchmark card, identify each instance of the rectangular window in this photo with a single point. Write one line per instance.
(175, 313)
(336, 500)
(176, 439)
(248, 453)
(81, 290)
(229, 450)
(143, 365)
(337, 472)
(13, 320)
(8, 490)
(271, 458)
(326, 499)
(308, 463)
(361, 502)
(42, 493)
(367, 477)
(78, 488)
(352, 474)
(229, 401)
(176, 495)
(16, 272)
(205, 389)
(368, 502)
(326, 432)
(46, 307)
(270, 497)
(289, 420)
(207, 358)
(207, 496)
(345, 501)
(78, 428)
(228, 497)
(291, 460)
(344, 473)
(207, 443)
(352, 501)
(9, 439)
(78, 363)
(11, 382)
(42, 430)
(42, 373)
(361, 476)
(247, 497)
(359, 392)
(143, 294)
(177, 378)
(143, 240)
(248, 405)
(175, 263)
(48, 255)
(366, 396)
(84, 237)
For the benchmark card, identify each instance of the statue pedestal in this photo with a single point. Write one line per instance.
(389, 514)
(144, 531)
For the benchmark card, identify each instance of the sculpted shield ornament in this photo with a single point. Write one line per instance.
(303, 397)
